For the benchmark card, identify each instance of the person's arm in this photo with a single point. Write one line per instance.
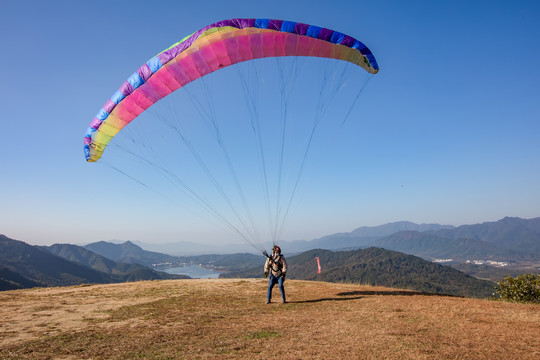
(266, 267)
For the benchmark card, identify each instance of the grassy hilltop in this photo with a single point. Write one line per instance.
(227, 318)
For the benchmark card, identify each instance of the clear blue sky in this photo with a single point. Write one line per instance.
(448, 131)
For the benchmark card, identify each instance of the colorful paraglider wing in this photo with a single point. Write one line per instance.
(209, 49)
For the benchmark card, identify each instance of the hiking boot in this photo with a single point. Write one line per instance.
(268, 301)
(283, 301)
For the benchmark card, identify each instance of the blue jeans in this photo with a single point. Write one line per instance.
(271, 282)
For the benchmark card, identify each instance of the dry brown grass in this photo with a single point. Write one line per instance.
(227, 318)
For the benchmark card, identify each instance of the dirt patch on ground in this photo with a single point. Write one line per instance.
(31, 313)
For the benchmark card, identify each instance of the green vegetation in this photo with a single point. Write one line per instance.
(523, 289)
(263, 334)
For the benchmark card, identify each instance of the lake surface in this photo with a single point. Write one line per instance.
(193, 271)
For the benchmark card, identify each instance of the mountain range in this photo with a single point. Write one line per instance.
(360, 237)
(509, 239)
(24, 265)
(64, 264)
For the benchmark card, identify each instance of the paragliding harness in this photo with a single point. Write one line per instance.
(273, 262)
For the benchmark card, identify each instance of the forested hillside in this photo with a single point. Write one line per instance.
(375, 266)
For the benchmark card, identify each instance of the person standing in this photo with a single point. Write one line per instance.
(276, 267)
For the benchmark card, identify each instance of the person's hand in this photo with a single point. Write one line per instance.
(283, 276)
(266, 274)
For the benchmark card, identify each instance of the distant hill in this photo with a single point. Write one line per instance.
(129, 253)
(361, 237)
(25, 266)
(376, 266)
(428, 245)
(392, 228)
(44, 268)
(506, 239)
(123, 271)
(518, 235)
(10, 280)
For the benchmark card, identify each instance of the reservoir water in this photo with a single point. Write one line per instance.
(193, 271)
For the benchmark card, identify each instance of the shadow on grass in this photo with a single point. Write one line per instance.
(392, 293)
(325, 299)
(356, 295)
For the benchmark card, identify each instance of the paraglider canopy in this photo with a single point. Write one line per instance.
(209, 49)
